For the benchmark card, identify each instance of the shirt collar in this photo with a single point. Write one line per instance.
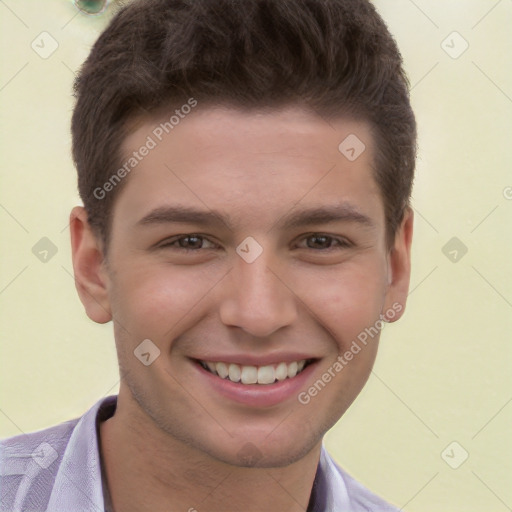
(330, 492)
(78, 481)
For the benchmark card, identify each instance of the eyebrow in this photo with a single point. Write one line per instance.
(343, 212)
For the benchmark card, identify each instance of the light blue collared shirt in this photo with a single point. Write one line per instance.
(59, 470)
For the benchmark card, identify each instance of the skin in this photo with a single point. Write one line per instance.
(173, 439)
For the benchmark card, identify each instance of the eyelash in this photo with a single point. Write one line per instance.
(341, 242)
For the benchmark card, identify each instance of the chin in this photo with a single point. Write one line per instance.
(264, 450)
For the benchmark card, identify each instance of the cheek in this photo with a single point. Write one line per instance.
(153, 301)
(347, 301)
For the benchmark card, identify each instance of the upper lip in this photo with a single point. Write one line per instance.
(254, 360)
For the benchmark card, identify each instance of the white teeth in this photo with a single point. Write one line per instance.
(292, 370)
(249, 375)
(281, 371)
(222, 370)
(235, 373)
(254, 374)
(266, 375)
(212, 367)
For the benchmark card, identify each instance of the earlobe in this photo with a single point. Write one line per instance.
(88, 264)
(399, 273)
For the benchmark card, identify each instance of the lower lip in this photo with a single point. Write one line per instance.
(258, 395)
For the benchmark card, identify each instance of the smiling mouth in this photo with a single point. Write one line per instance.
(268, 374)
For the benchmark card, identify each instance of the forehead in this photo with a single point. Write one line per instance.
(255, 164)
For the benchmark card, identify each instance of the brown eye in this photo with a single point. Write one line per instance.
(319, 242)
(187, 243)
(190, 242)
(324, 242)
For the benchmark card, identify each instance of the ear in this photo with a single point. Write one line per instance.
(91, 278)
(399, 269)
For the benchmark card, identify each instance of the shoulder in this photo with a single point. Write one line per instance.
(358, 496)
(364, 498)
(29, 460)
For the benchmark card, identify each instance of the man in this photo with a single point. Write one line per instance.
(245, 169)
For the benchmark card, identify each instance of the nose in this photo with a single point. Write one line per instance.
(257, 298)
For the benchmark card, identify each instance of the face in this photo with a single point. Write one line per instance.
(247, 246)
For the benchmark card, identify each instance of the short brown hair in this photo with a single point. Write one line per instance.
(334, 56)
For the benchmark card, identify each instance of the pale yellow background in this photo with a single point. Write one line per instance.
(443, 372)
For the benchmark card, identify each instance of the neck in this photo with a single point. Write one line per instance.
(147, 469)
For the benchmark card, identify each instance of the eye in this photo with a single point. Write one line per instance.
(319, 241)
(190, 242)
